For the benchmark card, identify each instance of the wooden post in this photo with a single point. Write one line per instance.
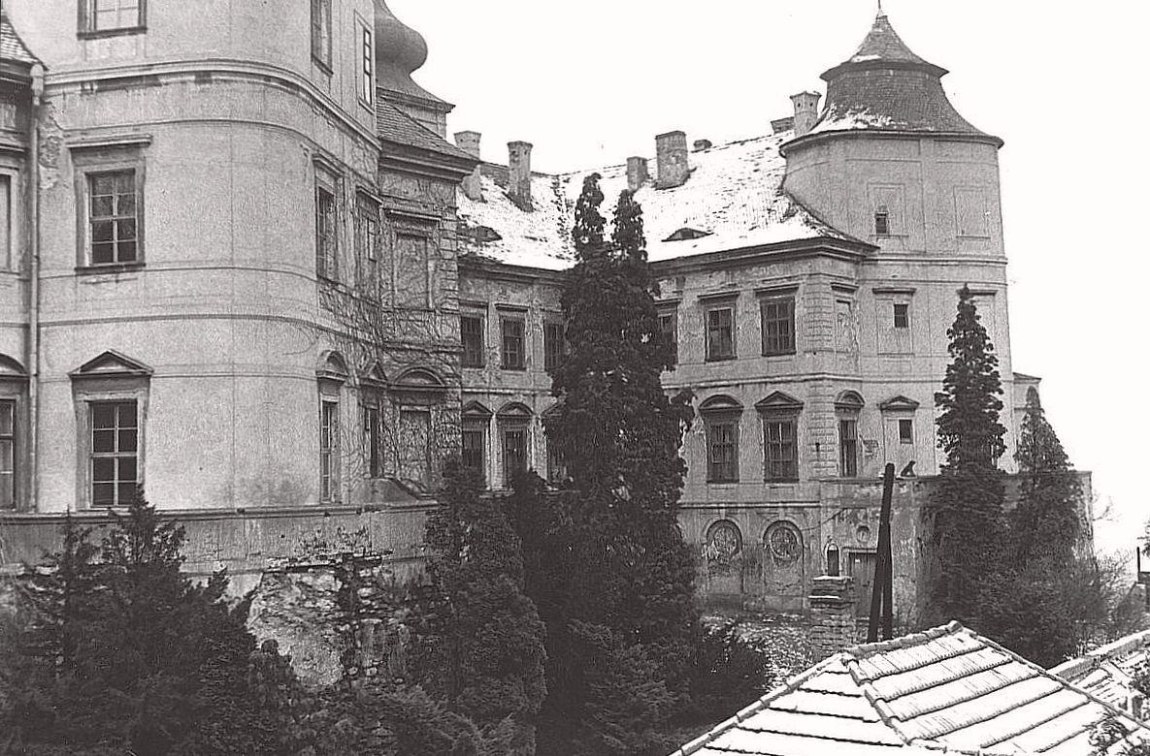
(882, 592)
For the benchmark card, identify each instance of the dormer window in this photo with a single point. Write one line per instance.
(485, 234)
(882, 221)
(686, 233)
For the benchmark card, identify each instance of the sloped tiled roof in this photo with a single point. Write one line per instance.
(733, 199)
(883, 43)
(396, 126)
(11, 46)
(945, 689)
(1108, 672)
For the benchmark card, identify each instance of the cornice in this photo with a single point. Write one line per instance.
(75, 77)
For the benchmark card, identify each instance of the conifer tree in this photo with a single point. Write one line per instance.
(488, 635)
(625, 643)
(1047, 522)
(968, 522)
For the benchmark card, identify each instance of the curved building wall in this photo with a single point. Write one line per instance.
(225, 127)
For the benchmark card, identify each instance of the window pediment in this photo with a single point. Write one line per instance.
(11, 370)
(111, 364)
(515, 411)
(720, 403)
(420, 379)
(849, 401)
(779, 402)
(899, 404)
(333, 367)
(374, 376)
(476, 411)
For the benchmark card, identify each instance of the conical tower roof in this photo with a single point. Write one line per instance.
(886, 87)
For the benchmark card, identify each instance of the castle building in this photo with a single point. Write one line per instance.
(244, 268)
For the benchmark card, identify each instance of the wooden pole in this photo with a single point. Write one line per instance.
(881, 600)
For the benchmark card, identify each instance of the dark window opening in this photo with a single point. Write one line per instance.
(778, 326)
(329, 451)
(906, 431)
(112, 218)
(514, 453)
(669, 328)
(474, 441)
(720, 334)
(471, 334)
(114, 453)
(554, 345)
(514, 344)
(722, 452)
(7, 454)
(902, 316)
(781, 449)
(373, 436)
(882, 222)
(848, 448)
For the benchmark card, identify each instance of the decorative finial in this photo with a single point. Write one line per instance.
(881, 12)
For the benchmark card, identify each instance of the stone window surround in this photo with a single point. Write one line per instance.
(110, 377)
(108, 155)
(848, 407)
(513, 314)
(86, 21)
(14, 388)
(775, 296)
(712, 303)
(780, 409)
(721, 414)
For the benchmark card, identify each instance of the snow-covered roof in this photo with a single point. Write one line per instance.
(1108, 672)
(944, 690)
(11, 46)
(732, 200)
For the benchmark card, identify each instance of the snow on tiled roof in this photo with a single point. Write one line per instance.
(1108, 671)
(11, 46)
(946, 688)
(733, 199)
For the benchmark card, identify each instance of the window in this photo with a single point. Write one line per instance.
(329, 451)
(906, 431)
(114, 453)
(113, 227)
(471, 334)
(778, 326)
(321, 32)
(373, 441)
(556, 464)
(367, 243)
(514, 452)
(781, 448)
(97, 16)
(720, 333)
(412, 271)
(514, 344)
(367, 75)
(848, 448)
(554, 345)
(901, 315)
(7, 454)
(474, 444)
(669, 328)
(326, 228)
(5, 221)
(882, 221)
(722, 451)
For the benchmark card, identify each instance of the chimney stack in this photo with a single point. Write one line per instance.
(671, 159)
(637, 173)
(806, 111)
(519, 174)
(468, 141)
(832, 602)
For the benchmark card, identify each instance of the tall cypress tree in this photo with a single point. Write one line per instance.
(628, 619)
(968, 522)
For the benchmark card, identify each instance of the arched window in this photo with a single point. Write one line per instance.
(332, 374)
(514, 436)
(783, 543)
(780, 413)
(847, 408)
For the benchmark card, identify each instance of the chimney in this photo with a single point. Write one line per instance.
(468, 141)
(637, 173)
(832, 602)
(671, 159)
(806, 111)
(1137, 706)
(779, 125)
(519, 174)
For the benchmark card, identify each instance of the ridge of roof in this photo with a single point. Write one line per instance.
(11, 46)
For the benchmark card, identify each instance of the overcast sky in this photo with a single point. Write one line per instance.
(593, 81)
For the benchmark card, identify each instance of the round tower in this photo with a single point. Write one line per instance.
(892, 162)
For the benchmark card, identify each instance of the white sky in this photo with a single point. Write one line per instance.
(593, 81)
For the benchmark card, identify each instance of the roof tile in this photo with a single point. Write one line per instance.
(11, 46)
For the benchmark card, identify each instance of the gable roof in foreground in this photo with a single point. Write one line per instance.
(732, 200)
(946, 690)
(1108, 672)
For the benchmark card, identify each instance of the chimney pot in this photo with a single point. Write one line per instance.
(468, 141)
(806, 111)
(672, 160)
(519, 173)
(638, 173)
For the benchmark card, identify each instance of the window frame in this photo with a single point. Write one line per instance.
(900, 319)
(104, 160)
(10, 436)
(780, 343)
(722, 470)
(781, 420)
(87, 16)
(554, 344)
(713, 351)
(9, 222)
(506, 363)
(321, 34)
(475, 429)
(882, 221)
(906, 423)
(670, 335)
(368, 240)
(116, 455)
(367, 64)
(329, 449)
(506, 429)
(475, 356)
(848, 446)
